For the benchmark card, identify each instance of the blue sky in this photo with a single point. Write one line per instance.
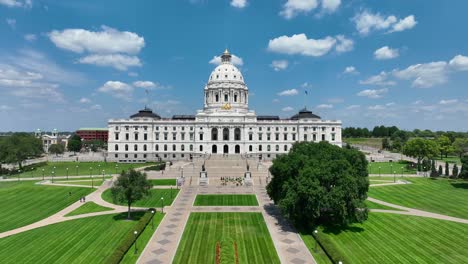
(71, 64)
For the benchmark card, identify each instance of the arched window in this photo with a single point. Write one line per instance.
(116, 147)
(237, 134)
(156, 147)
(135, 147)
(182, 147)
(144, 148)
(260, 148)
(165, 147)
(250, 148)
(201, 148)
(235, 98)
(126, 147)
(226, 97)
(214, 133)
(225, 133)
(285, 147)
(217, 96)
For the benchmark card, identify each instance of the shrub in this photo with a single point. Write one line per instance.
(129, 240)
(330, 250)
(157, 167)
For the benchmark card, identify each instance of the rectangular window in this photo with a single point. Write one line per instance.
(268, 137)
(294, 136)
(174, 136)
(314, 137)
(276, 136)
(157, 136)
(250, 137)
(127, 136)
(116, 136)
(323, 137)
(136, 136)
(305, 137)
(145, 136)
(260, 137)
(285, 136)
(201, 136)
(191, 136)
(182, 136)
(333, 137)
(165, 136)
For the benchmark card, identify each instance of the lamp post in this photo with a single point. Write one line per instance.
(102, 175)
(76, 170)
(152, 219)
(162, 204)
(394, 178)
(391, 168)
(53, 174)
(315, 234)
(136, 249)
(67, 174)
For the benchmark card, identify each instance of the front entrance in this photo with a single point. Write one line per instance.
(237, 149)
(214, 149)
(226, 149)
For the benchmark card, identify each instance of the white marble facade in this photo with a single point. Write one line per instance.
(224, 126)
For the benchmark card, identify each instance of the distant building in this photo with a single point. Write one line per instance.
(50, 139)
(89, 134)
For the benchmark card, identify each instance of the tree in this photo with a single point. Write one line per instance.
(74, 144)
(460, 146)
(447, 172)
(455, 171)
(131, 186)
(440, 171)
(420, 148)
(18, 147)
(385, 144)
(320, 183)
(445, 145)
(464, 169)
(56, 149)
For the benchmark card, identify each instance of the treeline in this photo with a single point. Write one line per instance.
(383, 131)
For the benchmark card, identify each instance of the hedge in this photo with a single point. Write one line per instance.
(330, 250)
(156, 167)
(128, 241)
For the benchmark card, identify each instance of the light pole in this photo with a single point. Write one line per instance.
(136, 249)
(162, 204)
(315, 234)
(152, 219)
(102, 175)
(391, 168)
(53, 174)
(76, 170)
(67, 174)
(394, 178)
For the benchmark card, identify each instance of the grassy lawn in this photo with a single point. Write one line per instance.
(83, 168)
(370, 142)
(86, 240)
(163, 182)
(226, 200)
(130, 257)
(153, 200)
(24, 203)
(89, 207)
(389, 238)
(317, 252)
(390, 167)
(88, 183)
(372, 205)
(246, 230)
(449, 197)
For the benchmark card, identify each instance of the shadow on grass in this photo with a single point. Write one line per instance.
(273, 211)
(136, 215)
(457, 184)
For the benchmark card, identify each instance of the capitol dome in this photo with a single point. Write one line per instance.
(226, 71)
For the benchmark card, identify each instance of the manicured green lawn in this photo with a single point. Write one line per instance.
(86, 240)
(130, 257)
(88, 207)
(88, 183)
(371, 142)
(247, 230)
(226, 200)
(23, 203)
(162, 182)
(153, 200)
(449, 197)
(372, 205)
(389, 168)
(389, 238)
(317, 252)
(83, 168)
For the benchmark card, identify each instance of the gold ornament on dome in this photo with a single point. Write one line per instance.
(226, 106)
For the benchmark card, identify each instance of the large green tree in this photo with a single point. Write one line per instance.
(131, 186)
(464, 169)
(460, 146)
(74, 144)
(56, 149)
(320, 183)
(420, 148)
(18, 147)
(445, 145)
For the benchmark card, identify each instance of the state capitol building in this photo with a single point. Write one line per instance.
(224, 126)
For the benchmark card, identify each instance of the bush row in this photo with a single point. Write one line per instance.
(329, 248)
(130, 239)
(157, 167)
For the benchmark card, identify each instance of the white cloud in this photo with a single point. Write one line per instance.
(279, 65)
(11, 22)
(144, 84)
(287, 109)
(324, 106)
(447, 102)
(16, 3)
(381, 79)
(424, 75)
(117, 89)
(386, 53)
(84, 100)
(373, 94)
(331, 5)
(353, 107)
(117, 61)
(300, 44)
(459, 63)
(390, 104)
(366, 22)
(30, 37)
(288, 92)
(377, 107)
(294, 7)
(404, 24)
(350, 70)
(239, 3)
(234, 59)
(107, 41)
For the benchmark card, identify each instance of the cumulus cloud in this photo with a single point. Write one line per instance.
(106, 41)
(144, 84)
(279, 65)
(350, 70)
(118, 61)
(301, 44)
(373, 94)
(324, 106)
(16, 3)
(239, 3)
(381, 80)
(117, 89)
(287, 109)
(288, 92)
(294, 7)
(386, 53)
(448, 102)
(424, 75)
(234, 59)
(459, 63)
(367, 22)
